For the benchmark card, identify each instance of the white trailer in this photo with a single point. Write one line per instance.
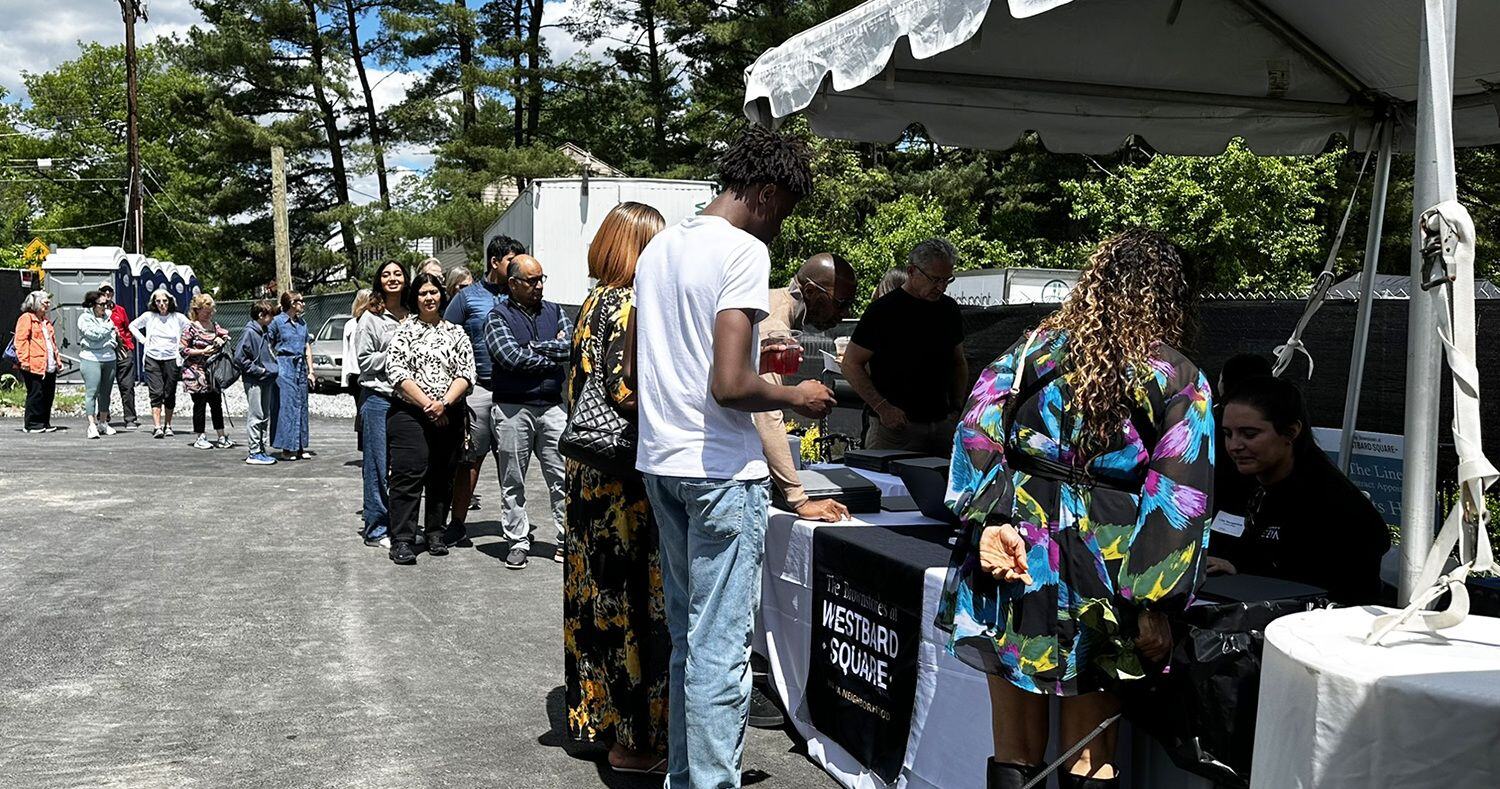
(556, 219)
(992, 287)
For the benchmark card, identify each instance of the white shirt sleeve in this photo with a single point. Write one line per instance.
(747, 281)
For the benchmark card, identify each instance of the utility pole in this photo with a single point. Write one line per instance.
(283, 238)
(135, 208)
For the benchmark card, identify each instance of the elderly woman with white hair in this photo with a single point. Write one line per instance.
(159, 332)
(37, 359)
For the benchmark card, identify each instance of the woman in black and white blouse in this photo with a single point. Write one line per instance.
(430, 363)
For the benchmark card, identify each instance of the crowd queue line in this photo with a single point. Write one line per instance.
(1086, 460)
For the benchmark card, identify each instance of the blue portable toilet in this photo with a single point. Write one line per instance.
(178, 285)
(140, 284)
(157, 279)
(190, 279)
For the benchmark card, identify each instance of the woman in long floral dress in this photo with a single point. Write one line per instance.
(1083, 474)
(615, 638)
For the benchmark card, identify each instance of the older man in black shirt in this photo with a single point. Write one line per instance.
(906, 358)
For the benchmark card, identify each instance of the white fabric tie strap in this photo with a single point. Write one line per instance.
(1293, 345)
(1448, 246)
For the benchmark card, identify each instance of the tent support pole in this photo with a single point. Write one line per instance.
(1434, 181)
(1293, 38)
(1366, 293)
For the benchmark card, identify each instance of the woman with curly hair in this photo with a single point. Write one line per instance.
(1083, 474)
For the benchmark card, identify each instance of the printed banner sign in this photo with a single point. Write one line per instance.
(1377, 466)
(867, 608)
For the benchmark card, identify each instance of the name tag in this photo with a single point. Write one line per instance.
(1228, 523)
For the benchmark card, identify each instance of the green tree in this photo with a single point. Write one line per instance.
(1251, 222)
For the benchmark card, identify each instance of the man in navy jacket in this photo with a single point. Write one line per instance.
(529, 341)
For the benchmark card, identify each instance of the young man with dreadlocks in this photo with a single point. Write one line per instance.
(701, 287)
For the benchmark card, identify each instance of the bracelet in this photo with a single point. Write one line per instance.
(877, 406)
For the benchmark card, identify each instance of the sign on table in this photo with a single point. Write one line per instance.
(1377, 466)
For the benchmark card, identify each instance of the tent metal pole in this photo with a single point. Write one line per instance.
(1366, 293)
(1434, 181)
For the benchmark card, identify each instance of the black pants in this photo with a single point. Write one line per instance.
(161, 379)
(423, 457)
(125, 381)
(40, 390)
(214, 402)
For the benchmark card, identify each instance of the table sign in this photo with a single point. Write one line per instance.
(866, 629)
(1377, 467)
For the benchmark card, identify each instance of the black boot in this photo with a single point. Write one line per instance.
(1004, 775)
(1070, 781)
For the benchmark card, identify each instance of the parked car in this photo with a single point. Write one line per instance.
(328, 356)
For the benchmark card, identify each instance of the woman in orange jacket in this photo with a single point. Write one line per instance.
(38, 360)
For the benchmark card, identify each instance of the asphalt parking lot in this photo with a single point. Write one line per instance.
(175, 618)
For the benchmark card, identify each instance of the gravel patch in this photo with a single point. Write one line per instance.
(332, 406)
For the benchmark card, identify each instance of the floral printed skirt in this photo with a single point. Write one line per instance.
(615, 640)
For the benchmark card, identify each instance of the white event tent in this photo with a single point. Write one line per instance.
(1187, 76)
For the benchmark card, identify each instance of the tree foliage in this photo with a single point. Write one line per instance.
(655, 91)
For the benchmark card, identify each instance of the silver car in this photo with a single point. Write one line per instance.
(328, 356)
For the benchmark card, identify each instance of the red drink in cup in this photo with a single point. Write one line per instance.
(781, 352)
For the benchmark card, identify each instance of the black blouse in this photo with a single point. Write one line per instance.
(1314, 527)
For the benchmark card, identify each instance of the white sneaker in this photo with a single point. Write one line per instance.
(167, 431)
(202, 443)
(108, 429)
(93, 431)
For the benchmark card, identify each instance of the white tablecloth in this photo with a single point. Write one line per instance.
(950, 738)
(1422, 711)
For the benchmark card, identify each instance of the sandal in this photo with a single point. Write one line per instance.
(659, 768)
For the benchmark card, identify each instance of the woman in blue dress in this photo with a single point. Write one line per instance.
(288, 337)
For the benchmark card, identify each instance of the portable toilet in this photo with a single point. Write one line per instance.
(137, 272)
(158, 278)
(191, 281)
(177, 285)
(71, 273)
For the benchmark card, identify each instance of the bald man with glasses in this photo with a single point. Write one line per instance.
(906, 358)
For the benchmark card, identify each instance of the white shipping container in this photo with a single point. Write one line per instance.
(556, 219)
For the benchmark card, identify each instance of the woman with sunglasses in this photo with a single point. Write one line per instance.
(97, 338)
(159, 332)
(294, 376)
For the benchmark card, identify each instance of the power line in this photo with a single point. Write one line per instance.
(79, 227)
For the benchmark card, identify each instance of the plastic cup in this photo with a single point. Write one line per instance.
(781, 352)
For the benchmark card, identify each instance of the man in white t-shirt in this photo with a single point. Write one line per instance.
(700, 289)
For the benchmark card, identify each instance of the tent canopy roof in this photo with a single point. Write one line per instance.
(1085, 74)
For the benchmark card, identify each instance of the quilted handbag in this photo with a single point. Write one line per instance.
(597, 434)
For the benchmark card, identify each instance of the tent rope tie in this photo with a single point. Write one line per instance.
(1448, 248)
(1319, 291)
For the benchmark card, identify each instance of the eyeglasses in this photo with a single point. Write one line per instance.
(936, 280)
(532, 281)
(843, 304)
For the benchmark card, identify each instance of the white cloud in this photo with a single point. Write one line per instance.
(561, 44)
(37, 35)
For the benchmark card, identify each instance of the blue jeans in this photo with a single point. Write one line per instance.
(259, 395)
(712, 535)
(376, 464)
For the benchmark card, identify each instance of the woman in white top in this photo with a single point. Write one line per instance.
(159, 333)
(96, 356)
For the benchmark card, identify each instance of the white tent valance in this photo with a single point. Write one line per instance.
(1186, 75)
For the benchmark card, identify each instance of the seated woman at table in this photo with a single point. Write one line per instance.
(1305, 521)
(1083, 473)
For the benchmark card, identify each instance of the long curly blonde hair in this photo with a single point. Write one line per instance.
(1131, 298)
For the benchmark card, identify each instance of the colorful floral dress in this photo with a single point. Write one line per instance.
(615, 640)
(1122, 531)
(199, 338)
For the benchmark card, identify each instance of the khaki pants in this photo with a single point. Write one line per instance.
(929, 438)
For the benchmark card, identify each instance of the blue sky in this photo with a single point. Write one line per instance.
(37, 35)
